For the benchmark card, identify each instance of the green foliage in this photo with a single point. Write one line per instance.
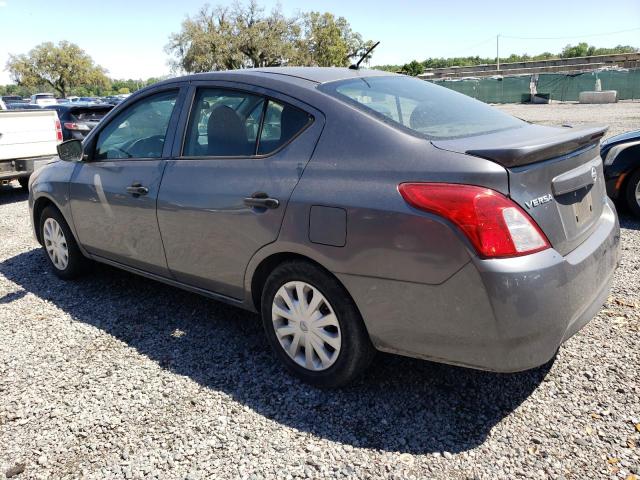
(413, 69)
(580, 50)
(329, 41)
(62, 67)
(243, 36)
(585, 50)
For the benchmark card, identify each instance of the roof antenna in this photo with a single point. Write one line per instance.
(357, 65)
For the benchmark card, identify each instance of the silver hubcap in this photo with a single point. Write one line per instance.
(55, 243)
(638, 193)
(306, 326)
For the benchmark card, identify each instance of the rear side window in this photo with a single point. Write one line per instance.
(139, 131)
(281, 123)
(227, 123)
(421, 107)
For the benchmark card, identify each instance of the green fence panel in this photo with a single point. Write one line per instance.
(559, 86)
(627, 83)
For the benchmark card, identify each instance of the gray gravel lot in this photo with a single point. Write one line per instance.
(116, 376)
(620, 117)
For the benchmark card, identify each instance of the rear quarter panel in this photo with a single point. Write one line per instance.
(357, 166)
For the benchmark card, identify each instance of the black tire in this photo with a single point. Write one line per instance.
(356, 350)
(24, 183)
(630, 193)
(77, 262)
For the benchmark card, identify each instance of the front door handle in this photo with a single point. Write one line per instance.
(261, 200)
(136, 190)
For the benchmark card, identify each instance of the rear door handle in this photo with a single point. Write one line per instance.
(261, 200)
(136, 190)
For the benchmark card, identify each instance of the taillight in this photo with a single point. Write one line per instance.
(76, 126)
(58, 131)
(494, 224)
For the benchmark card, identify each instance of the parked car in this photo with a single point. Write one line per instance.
(375, 211)
(28, 139)
(621, 156)
(112, 100)
(43, 99)
(78, 120)
(23, 106)
(12, 99)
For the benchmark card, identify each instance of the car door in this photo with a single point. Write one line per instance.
(113, 193)
(224, 193)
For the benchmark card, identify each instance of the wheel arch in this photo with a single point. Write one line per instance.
(259, 275)
(39, 205)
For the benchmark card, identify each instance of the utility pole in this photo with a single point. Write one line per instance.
(498, 52)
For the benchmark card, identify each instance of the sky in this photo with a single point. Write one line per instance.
(128, 37)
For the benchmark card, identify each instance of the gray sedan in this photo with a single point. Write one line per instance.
(356, 210)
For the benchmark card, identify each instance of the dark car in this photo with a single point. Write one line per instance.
(355, 209)
(111, 100)
(7, 99)
(78, 120)
(621, 156)
(23, 106)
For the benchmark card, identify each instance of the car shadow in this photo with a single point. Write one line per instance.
(400, 404)
(629, 221)
(11, 193)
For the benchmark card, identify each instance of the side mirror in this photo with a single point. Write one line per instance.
(71, 151)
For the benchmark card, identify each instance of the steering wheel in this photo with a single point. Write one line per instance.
(147, 147)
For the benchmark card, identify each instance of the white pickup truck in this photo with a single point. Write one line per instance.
(28, 138)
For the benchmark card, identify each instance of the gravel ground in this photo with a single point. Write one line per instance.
(620, 117)
(116, 376)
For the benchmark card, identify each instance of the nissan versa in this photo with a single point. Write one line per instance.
(357, 210)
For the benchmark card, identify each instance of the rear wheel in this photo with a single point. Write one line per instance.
(632, 193)
(313, 325)
(61, 249)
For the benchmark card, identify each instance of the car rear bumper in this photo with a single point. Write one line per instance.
(22, 167)
(502, 315)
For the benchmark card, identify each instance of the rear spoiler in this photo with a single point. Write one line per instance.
(526, 152)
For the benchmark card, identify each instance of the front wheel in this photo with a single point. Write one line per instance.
(633, 193)
(61, 249)
(313, 325)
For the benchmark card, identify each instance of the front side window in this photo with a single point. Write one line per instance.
(423, 108)
(226, 123)
(139, 131)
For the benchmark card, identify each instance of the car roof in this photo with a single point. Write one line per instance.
(315, 75)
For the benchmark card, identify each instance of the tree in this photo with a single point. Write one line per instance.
(330, 41)
(265, 41)
(205, 42)
(413, 68)
(61, 67)
(580, 50)
(243, 36)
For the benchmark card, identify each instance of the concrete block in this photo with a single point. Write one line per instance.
(607, 96)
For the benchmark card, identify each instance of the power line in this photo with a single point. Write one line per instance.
(573, 36)
(490, 39)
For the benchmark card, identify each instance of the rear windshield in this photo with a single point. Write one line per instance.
(88, 114)
(426, 109)
(44, 95)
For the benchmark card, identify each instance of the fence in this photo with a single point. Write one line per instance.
(562, 87)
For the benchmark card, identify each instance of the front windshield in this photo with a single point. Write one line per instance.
(429, 110)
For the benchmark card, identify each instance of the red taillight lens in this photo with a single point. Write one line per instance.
(495, 225)
(76, 126)
(58, 131)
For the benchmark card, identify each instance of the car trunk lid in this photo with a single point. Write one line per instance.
(555, 175)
